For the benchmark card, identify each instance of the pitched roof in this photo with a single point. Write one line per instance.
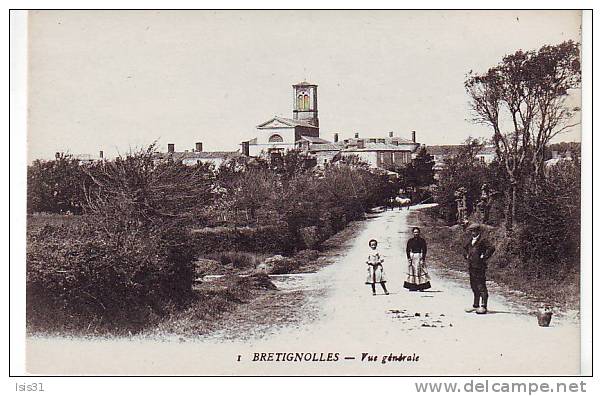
(198, 155)
(327, 147)
(383, 147)
(313, 139)
(304, 84)
(450, 149)
(487, 150)
(453, 149)
(285, 123)
(556, 161)
(211, 154)
(387, 139)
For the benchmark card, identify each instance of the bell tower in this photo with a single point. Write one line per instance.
(305, 103)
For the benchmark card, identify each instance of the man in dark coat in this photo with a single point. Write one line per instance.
(477, 251)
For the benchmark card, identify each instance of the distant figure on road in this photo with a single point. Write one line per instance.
(390, 204)
(398, 202)
(477, 251)
(376, 272)
(418, 277)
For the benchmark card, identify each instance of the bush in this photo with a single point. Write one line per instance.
(311, 237)
(237, 260)
(268, 239)
(204, 266)
(279, 265)
(306, 256)
(56, 186)
(548, 236)
(75, 276)
(130, 260)
(465, 170)
(257, 281)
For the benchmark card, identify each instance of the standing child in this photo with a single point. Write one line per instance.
(376, 272)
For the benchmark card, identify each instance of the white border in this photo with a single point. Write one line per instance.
(296, 386)
(586, 199)
(18, 194)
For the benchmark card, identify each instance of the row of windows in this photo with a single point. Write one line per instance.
(397, 157)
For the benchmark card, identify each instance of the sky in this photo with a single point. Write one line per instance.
(119, 80)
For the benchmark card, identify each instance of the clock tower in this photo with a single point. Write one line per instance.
(305, 103)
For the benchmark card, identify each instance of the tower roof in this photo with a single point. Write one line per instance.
(304, 84)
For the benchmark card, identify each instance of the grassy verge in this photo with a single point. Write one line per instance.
(244, 307)
(445, 251)
(229, 303)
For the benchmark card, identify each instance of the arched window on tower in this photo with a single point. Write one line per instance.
(300, 102)
(306, 102)
(275, 139)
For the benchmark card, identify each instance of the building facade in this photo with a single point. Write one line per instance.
(279, 134)
(196, 156)
(302, 132)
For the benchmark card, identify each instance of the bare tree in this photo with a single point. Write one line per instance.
(557, 71)
(523, 100)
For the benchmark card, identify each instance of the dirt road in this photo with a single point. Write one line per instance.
(429, 331)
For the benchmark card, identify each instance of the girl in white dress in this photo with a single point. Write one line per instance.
(376, 272)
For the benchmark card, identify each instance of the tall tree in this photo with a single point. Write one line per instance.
(523, 100)
(556, 71)
(418, 173)
(423, 166)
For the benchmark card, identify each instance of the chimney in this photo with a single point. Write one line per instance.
(57, 155)
(360, 144)
(414, 136)
(171, 147)
(357, 135)
(245, 148)
(198, 146)
(336, 137)
(391, 134)
(101, 154)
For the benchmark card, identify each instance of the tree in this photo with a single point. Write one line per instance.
(549, 236)
(418, 173)
(523, 100)
(461, 170)
(292, 163)
(254, 189)
(423, 167)
(55, 186)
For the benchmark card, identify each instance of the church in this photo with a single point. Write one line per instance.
(279, 134)
(302, 131)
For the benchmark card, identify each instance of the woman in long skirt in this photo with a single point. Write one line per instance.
(376, 272)
(418, 277)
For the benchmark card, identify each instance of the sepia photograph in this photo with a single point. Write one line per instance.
(305, 193)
